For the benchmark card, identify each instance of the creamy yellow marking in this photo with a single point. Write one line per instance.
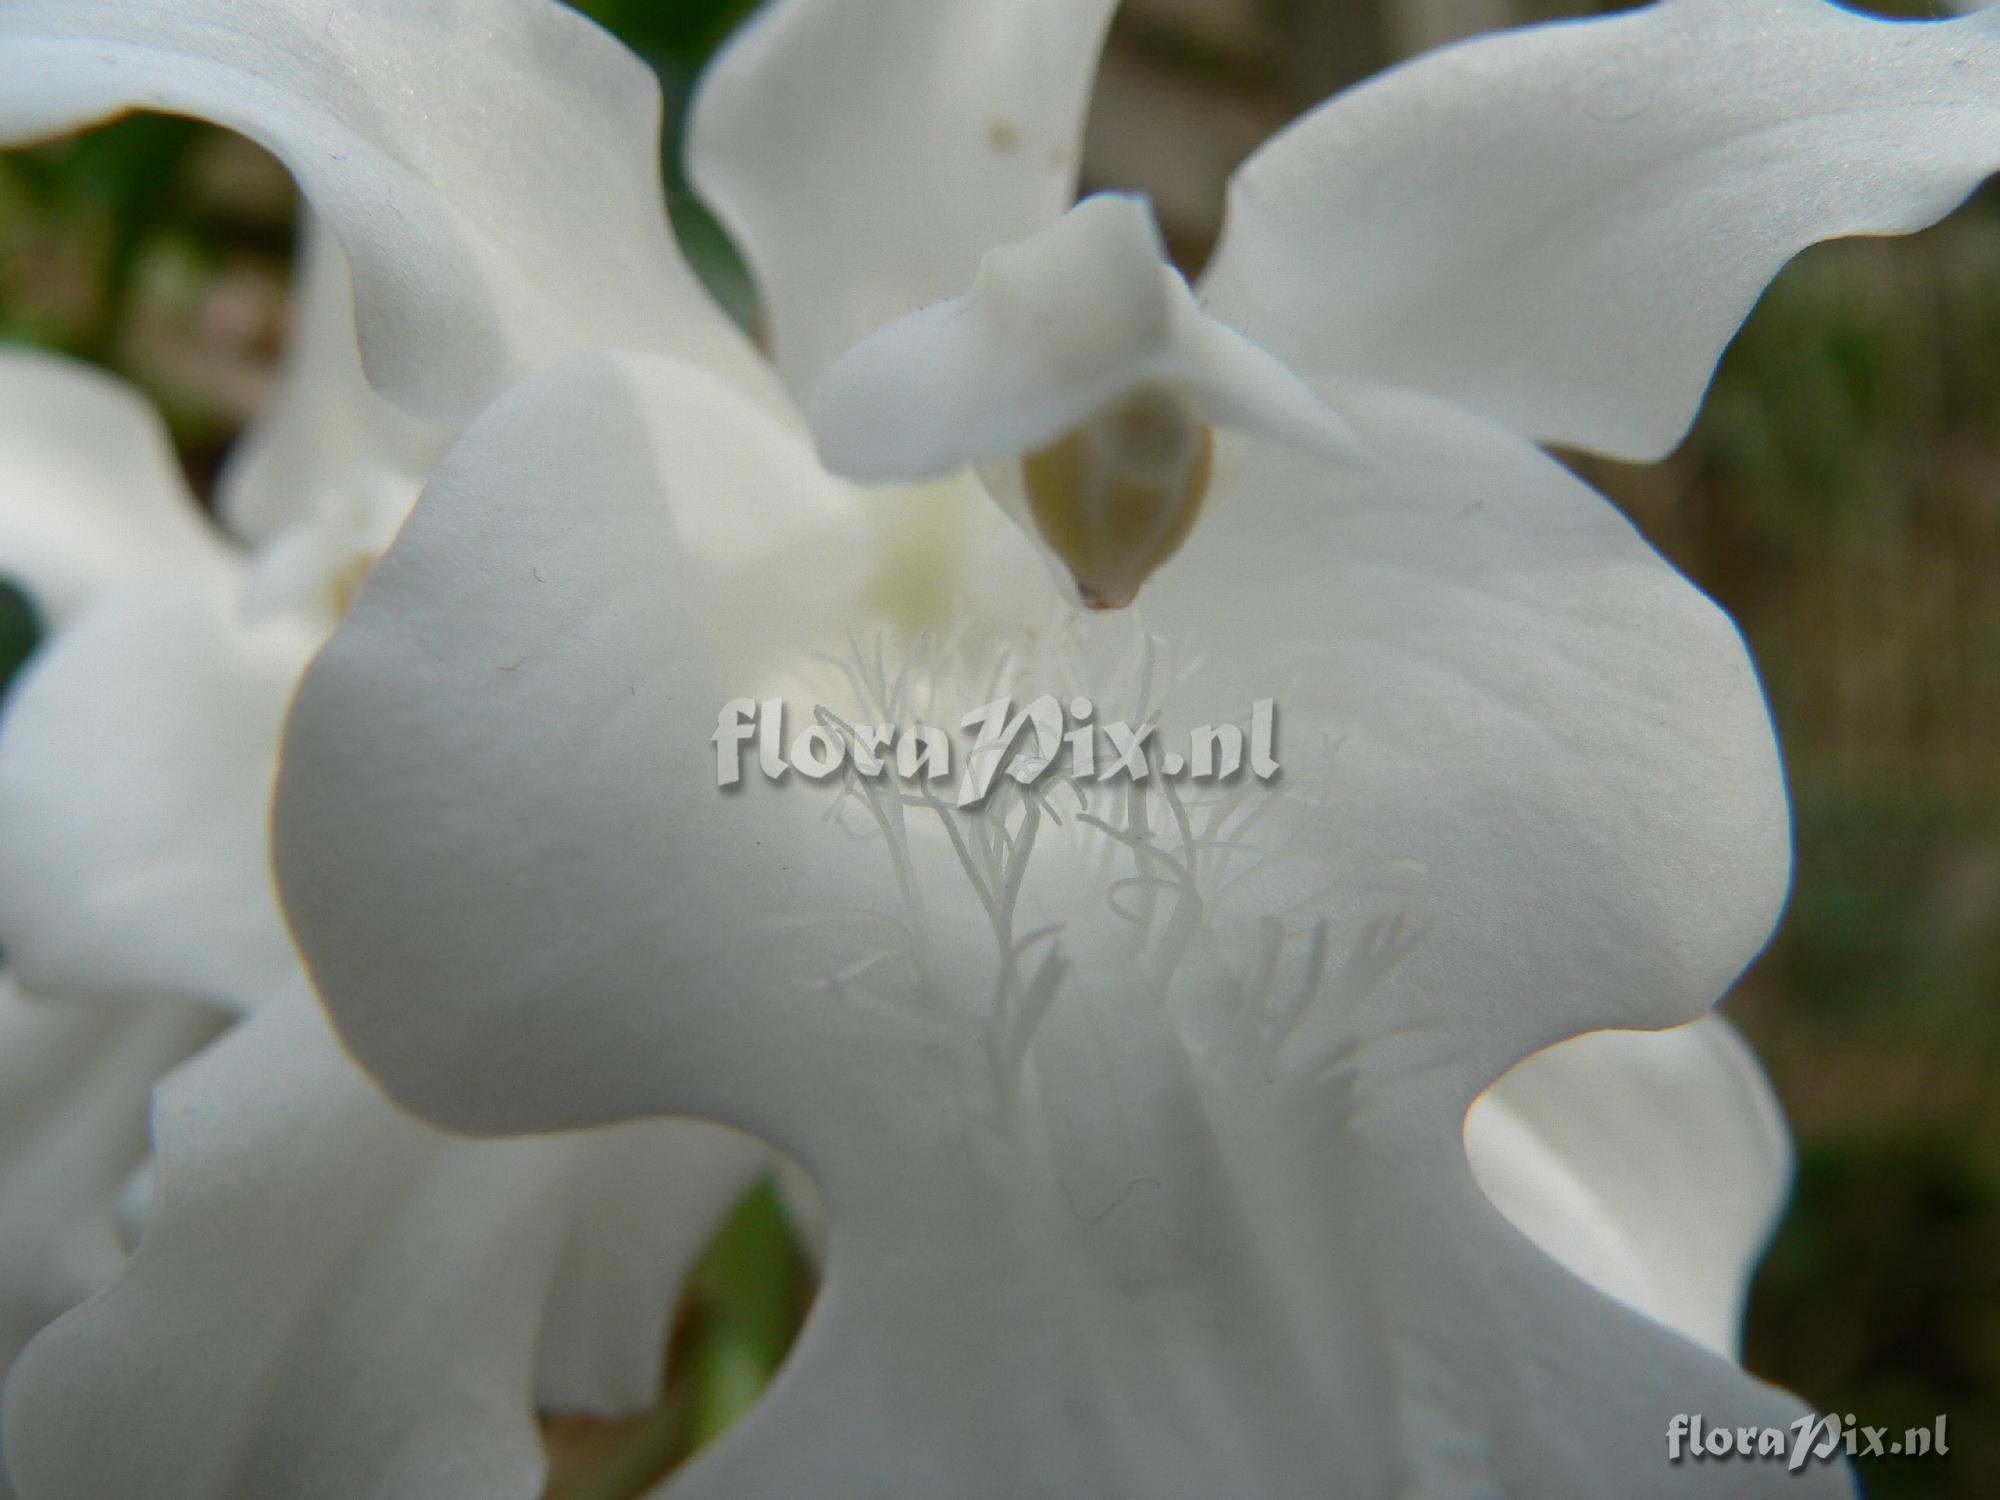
(345, 581)
(921, 548)
(1117, 496)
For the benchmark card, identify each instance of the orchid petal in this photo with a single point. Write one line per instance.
(332, 1299)
(541, 634)
(1652, 1164)
(74, 1085)
(1562, 227)
(329, 461)
(90, 489)
(865, 156)
(643, 1203)
(136, 757)
(1054, 329)
(491, 168)
(1520, 743)
(1264, 1292)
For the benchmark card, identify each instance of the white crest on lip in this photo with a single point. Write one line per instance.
(1169, 885)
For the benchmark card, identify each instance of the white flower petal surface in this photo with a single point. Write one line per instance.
(90, 490)
(1053, 330)
(137, 752)
(1652, 1164)
(1139, 1182)
(543, 604)
(639, 1204)
(865, 156)
(1259, 1295)
(1510, 725)
(332, 1299)
(491, 168)
(329, 456)
(1562, 227)
(75, 1080)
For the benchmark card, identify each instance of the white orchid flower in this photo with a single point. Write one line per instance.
(307, 1235)
(1141, 1116)
(75, 1081)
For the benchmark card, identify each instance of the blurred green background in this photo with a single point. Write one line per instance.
(1841, 497)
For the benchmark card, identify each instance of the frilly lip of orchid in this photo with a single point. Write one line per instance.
(1141, 1125)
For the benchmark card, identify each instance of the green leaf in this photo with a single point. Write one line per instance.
(750, 1294)
(20, 630)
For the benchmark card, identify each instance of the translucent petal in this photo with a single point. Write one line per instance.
(1562, 227)
(329, 461)
(90, 490)
(1653, 1164)
(136, 759)
(866, 155)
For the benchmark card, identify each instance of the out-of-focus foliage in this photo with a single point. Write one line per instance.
(112, 190)
(19, 630)
(751, 1295)
(1883, 1287)
(158, 248)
